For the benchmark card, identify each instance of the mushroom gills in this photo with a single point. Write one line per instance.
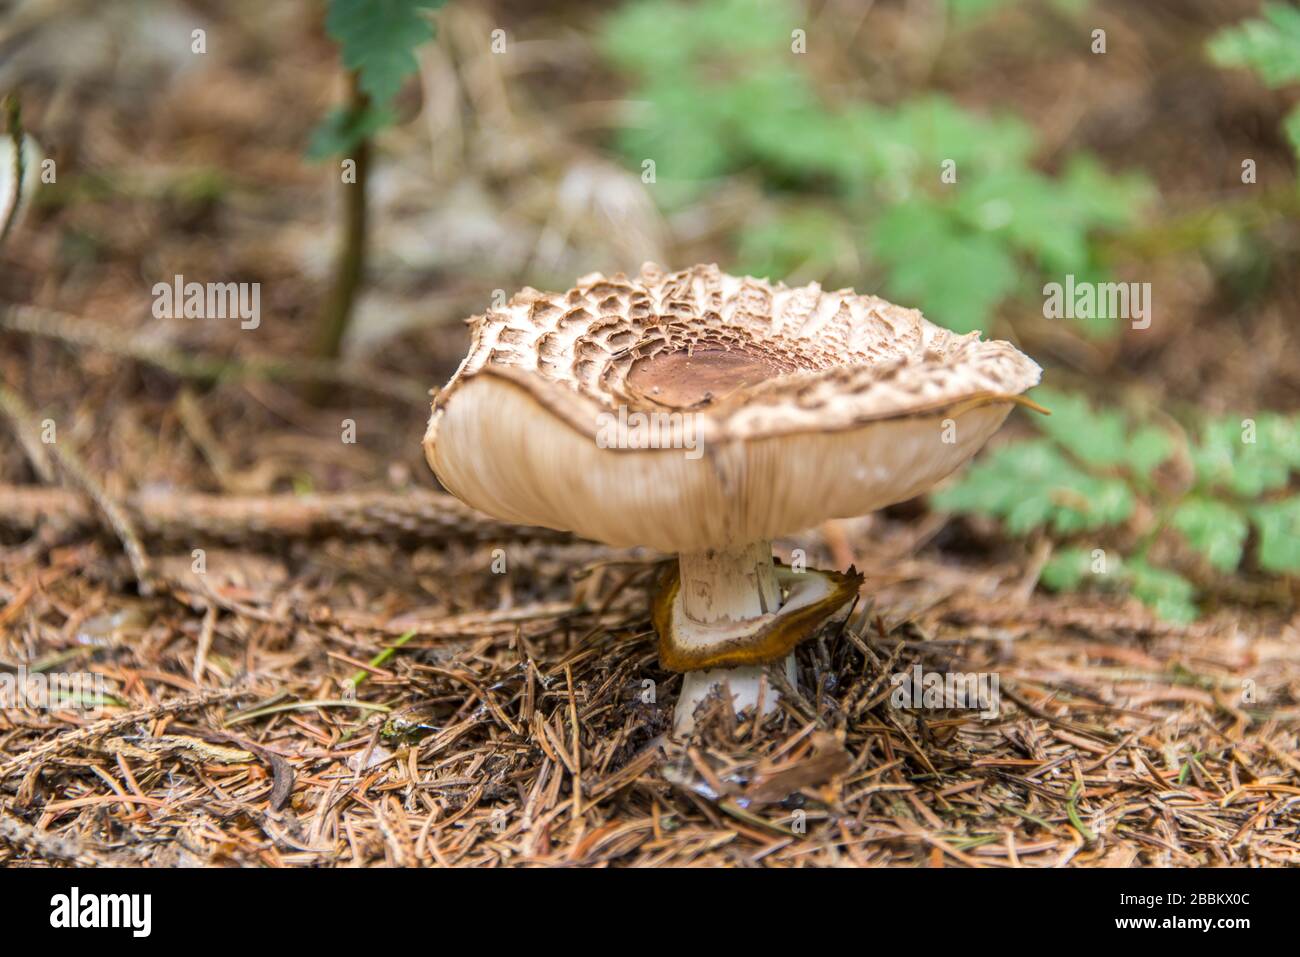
(722, 614)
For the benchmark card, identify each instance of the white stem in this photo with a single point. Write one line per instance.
(732, 584)
(743, 683)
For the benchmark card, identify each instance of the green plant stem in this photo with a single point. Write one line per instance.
(1200, 227)
(378, 660)
(350, 264)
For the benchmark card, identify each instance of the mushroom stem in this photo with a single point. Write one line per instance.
(743, 682)
(731, 584)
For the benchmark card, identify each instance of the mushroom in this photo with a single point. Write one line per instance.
(703, 415)
(13, 191)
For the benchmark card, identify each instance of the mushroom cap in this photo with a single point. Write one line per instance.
(770, 409)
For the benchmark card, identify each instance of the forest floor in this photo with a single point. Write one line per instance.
(517, 718)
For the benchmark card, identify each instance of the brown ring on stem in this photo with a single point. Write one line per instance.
(774, 636)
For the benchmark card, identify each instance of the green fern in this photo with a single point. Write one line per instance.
(1032, 485)
(1279, 535)
(1093, 468)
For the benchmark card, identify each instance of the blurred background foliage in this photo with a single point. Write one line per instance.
(522, 143)
(856, 185)
(857, 196)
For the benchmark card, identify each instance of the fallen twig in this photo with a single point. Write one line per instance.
(78, 332)
(70, 464)
(414, 516)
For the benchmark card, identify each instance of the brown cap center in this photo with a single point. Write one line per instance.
(685, 379)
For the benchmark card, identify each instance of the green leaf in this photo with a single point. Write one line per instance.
(718, 86)
(1099, 438)
(1102, 199)
(1053, 219)
(657, 37)
(1095, 437)
(378, 40)
(1025, 207)
(956, 277)
(1214, 529)
(926, 130)
(1055, 222)
(1248, 456)
(1067, 569)
(964, 11)
(1291, 127)
(805, 238)
(1270, 46)
(1279, 535)
(342, 129)
(1031, 485)
(1148, 448)
(776, 116)
(681, 137)
(1167, 593)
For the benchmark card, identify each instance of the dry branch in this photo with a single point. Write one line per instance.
(191, 518)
